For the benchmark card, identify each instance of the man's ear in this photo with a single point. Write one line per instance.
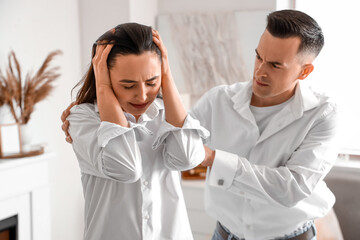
(307, 69)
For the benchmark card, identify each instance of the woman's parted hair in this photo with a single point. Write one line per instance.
(128, 38)
(293, 23)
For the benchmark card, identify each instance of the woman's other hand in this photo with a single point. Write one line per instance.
(99, 61)
(175, 112)
(165, 67)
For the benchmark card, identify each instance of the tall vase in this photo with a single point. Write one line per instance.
(26, 137)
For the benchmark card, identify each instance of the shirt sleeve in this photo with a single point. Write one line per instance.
(285, 185)
(104, 149)
(183, 147)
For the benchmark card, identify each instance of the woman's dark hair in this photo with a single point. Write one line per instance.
(293, 23)
(128, 38)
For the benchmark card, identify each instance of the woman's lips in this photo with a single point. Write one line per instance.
(139, 106)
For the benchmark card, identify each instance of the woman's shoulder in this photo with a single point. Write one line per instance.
(83, 107)
(87, 109)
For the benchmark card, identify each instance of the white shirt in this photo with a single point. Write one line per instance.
(263, 115)
(130, 176)
(263, 186)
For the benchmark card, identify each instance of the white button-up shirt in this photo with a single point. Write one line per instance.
(130, 176)
(263, 186)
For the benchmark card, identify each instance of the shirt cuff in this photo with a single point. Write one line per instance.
(223, 170)
(189, 124)
(108, 131)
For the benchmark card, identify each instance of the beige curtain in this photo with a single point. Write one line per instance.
(208, 48)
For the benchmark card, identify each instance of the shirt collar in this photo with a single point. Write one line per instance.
(306, 96)
(242, 96)
(304, 99)
(153, 110)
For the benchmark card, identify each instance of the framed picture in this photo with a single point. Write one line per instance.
(10, 140)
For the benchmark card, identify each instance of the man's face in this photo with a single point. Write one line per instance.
(277, 70)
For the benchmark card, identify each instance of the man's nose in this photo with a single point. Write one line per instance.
(260, 70)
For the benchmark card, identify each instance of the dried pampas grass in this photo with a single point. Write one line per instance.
(21, 97)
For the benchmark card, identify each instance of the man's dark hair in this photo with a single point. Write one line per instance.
(293, 23)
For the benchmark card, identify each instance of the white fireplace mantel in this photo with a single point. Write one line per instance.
(24, 191)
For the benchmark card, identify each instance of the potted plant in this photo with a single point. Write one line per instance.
(21, 95)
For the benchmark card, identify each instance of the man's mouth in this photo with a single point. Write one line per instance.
(261, 84)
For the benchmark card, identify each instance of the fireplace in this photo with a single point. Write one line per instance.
(8, 228)
(25, 198)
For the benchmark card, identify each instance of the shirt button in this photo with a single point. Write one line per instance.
(146, 217)
(221, 182)
(146, 183)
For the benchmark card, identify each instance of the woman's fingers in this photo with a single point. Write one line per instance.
(102, 51)
(101, 71)
(165, 64)
(157, 38)
(98, 53)
(107, 50)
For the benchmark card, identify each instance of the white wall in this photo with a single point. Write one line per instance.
(95, 19)
(176, 6)
(337, 66)
(144, 11)
(32, 29)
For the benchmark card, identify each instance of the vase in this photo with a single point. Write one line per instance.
(26, 137)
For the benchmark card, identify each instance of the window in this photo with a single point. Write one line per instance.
(337, 68)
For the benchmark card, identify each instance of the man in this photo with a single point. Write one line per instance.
(272, 139)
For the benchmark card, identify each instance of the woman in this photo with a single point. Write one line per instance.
(131, 143)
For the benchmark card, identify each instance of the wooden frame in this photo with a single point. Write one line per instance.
(10, 140)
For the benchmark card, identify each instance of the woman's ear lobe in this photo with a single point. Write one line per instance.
(307, 69)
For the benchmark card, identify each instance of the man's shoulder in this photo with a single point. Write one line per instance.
(325, 102)
(227, 91)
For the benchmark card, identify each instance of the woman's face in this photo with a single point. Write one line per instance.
(136, 81)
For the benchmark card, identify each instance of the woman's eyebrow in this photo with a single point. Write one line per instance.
(152, 79)
(133, 81)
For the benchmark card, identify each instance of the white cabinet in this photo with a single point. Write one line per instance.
(202, 225)
(25, 193)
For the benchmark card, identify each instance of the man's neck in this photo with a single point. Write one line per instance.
(257, 101)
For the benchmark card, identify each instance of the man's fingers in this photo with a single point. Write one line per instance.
(66, 112)
(65, 127)
(63, 116)
(71, 105)
(68, 139)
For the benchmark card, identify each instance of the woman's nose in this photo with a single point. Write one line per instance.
(141, 94)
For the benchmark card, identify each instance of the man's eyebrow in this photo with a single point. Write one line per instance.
(271, 62)
(276, 63)
(133, 81)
